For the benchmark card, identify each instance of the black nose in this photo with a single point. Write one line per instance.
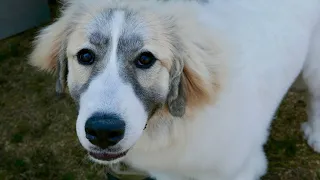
(104, 130)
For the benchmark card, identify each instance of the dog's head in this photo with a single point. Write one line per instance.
(122, 64)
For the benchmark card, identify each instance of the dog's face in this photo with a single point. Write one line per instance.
(121, 67)
(117, 71)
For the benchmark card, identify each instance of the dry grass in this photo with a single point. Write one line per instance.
(38, 139)
(290, 158)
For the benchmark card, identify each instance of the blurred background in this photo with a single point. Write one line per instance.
(37, 130)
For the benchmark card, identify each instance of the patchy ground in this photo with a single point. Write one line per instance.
(38, 139)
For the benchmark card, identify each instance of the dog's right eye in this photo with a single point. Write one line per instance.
(85, 57)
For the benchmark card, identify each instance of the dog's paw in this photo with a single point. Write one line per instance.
(312, 136)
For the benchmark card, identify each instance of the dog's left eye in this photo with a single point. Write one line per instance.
(145, 60)
(85, 57)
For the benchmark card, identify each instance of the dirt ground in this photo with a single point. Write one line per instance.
(38, 139)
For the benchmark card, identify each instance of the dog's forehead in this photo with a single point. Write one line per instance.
(132, 29)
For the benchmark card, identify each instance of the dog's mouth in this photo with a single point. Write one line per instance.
(107, 156)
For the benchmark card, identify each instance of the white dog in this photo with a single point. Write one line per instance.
(183, 89)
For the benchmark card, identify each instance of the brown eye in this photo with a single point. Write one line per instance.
(145, 60)
(85, 57)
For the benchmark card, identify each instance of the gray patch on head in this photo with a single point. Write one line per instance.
(127, 52)
(99, 29)
(130, 44)
(131, 41)
(99, 35)
(98, 39)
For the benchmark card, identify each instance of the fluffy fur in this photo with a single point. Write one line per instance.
(223, 68)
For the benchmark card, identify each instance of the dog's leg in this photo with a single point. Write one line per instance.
(312, 127)
(311, 75)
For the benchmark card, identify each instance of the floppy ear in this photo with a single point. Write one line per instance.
(176, 99)
(48, 53)
(62, 70)
(189, 86)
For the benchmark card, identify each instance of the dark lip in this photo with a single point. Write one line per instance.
(107, 156)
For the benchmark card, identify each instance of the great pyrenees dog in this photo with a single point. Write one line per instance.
(183, 90)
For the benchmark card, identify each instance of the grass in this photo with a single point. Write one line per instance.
(38, 138)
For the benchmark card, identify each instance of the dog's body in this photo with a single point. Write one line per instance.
(239, 58)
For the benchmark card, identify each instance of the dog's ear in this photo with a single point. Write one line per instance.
(48, 52)
(188, 88)
(62, 70)
(176, 99)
